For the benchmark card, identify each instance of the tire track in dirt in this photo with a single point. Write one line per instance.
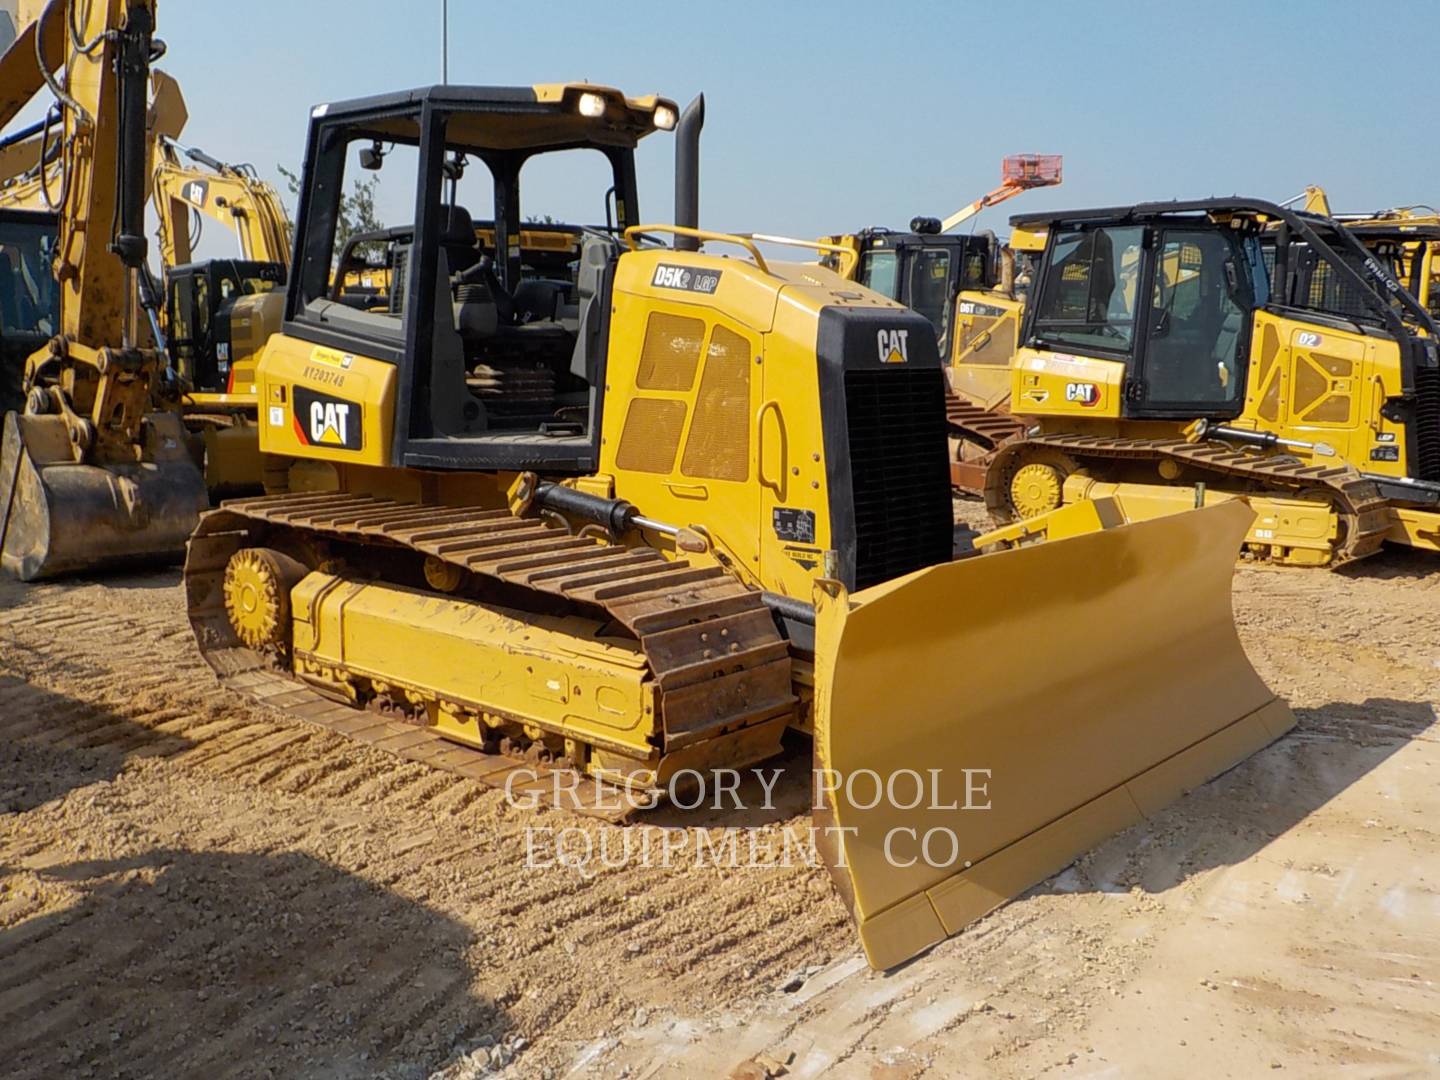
(203, 778)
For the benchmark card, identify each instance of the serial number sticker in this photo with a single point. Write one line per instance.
(277, 416)
(971, 307)
(1056, 363)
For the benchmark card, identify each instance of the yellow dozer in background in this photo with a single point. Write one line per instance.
(1181, 354)
(972, 289)
(644, 517)
(1406, 240)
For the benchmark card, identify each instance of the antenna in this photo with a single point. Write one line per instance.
(445, 41)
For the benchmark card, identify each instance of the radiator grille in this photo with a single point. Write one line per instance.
(898, 471)
(1426, 429)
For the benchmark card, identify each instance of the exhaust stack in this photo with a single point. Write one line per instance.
(687, 171)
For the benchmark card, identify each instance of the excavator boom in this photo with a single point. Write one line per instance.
(91, 473)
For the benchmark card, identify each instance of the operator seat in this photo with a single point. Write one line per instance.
(457, 238)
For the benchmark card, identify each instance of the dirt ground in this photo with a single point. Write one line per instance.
(191, 885)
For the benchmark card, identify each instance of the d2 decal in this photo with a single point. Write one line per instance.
(322, 420)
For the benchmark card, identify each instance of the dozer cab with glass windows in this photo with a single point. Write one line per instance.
(1178, 354)
(972, 290)
(641, 514)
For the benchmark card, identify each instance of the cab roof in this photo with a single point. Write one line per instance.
(507, 117)
(1233, 204)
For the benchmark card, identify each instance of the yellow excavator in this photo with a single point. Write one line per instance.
(592, 536)
(96, 470)
(972, 289)
(29, 294)
(1180, 354)
(220, 311)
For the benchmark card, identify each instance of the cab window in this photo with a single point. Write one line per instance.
(1197, 320)
(1090, 288)
(880, 270)
(929, 277)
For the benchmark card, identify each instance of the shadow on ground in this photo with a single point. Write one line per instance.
(178, 963)
(1393, 561)
(1229, 819)
(52, 743)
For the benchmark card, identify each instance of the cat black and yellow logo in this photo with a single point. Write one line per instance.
(195, 191)
(893, 346)
(322, 420)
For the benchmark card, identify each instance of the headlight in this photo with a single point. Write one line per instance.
(664, 117)
(592, 105)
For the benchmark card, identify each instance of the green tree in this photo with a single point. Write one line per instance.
(357, 209)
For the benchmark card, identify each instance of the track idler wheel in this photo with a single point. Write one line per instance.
(1026, 481)
(1036, 489)
(257, 597)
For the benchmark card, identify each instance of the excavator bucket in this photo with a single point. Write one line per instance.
(58, 516)
(979, 725)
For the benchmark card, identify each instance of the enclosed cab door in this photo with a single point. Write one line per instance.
(1195, 333)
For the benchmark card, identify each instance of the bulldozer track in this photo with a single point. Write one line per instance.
(1358, 500)
(988, 429)
(711, 644)
(985, 427)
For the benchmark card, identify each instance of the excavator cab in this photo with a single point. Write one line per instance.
(209, 323)
(29, 296)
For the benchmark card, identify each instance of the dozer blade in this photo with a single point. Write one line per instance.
(1061, 691)
(61, 517)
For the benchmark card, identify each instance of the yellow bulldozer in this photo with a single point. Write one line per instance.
(972, 289)
(634, 522)
(1180, 354)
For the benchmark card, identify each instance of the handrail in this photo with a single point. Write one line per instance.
(843, 250)
(634, 232)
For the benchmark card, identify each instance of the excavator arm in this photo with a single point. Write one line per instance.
(230, 194)
(92, 392)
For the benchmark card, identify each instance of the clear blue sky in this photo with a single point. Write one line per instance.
(829, 116)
